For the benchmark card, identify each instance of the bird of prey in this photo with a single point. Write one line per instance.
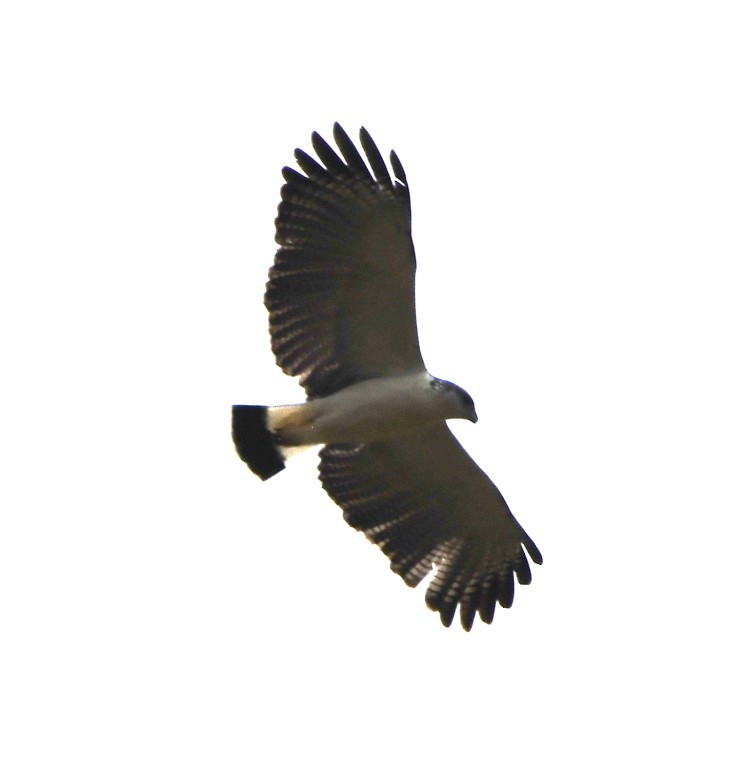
(341, 303)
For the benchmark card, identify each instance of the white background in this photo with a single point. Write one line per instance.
(577, 173)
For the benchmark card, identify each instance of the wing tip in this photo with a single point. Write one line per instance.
(533, 551)
(398, 168)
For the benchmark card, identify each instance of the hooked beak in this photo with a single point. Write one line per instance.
(473, 418)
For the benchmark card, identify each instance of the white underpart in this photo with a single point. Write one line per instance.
(376, 409)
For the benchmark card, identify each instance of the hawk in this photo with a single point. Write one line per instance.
(341, 303)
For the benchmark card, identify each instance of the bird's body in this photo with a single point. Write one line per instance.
(375, 409)
(341, 304)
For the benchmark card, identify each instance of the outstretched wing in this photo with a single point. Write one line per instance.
(341, 292)
(426, 503)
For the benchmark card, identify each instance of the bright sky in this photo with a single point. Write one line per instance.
(577, 175)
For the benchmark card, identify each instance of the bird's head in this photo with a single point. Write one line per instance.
(457, 402)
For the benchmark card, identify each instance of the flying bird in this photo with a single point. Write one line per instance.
(341, 302)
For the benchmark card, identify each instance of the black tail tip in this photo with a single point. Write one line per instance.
(255, 444)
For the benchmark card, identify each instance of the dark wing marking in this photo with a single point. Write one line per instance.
(341, 292)
(426, 503)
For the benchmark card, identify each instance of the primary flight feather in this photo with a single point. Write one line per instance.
(342, 317)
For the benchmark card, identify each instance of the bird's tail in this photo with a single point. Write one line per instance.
(255, 443)
(255, 431)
